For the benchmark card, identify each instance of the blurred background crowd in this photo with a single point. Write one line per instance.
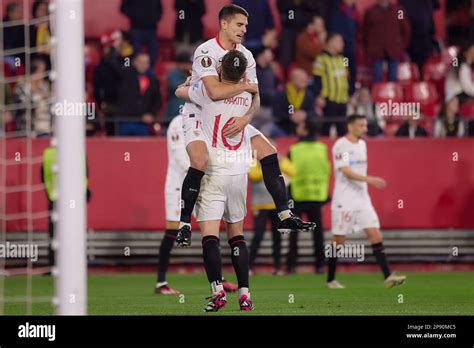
(395, 53)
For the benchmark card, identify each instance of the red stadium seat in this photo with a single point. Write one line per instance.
(435, 69)
(162, 70)
(467, 110)
(408, 73)
(449, 54)
(424, 93)
(385, 91)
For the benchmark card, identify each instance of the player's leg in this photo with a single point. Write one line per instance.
(332, 283)
(275, 184)
(172, 210)
(162, 286)
(234, 213)
(376, 240)
(213, 264)
(209, 210)
(198, 155)
(240, 261)
(342, 223)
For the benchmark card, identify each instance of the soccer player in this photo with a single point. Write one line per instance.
(224, 189)
(178, 164)
(351, 207)
(206, 65)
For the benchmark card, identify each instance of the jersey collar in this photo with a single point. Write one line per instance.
(220, 44)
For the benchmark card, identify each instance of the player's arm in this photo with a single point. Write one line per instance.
(216, 90)
(182, 92)
(372, 180)
(239, 123)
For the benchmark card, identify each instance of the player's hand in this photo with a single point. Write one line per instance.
(148, 118)
(236, 126)
(376, 182)
(250, 87)
(321, 102)
(186, 83)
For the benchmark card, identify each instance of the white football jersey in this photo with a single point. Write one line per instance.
(227, 156)
(207, 61)
(350, 195)
(178, 159)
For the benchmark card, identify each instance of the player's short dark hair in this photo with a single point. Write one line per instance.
(332, 35)
(234, 65)
(311, 127)
(231, 10)
(352, 118)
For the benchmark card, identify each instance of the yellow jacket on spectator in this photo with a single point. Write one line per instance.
(261, 199)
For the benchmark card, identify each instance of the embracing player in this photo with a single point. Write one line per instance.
(206, 65)
(178, 164)
(351, 206)
(224, 185)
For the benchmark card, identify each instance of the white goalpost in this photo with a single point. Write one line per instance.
(71, 264)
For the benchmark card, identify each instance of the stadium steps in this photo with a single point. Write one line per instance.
(141, 248)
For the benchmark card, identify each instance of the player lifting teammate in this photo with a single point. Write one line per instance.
(207, 61)
(224, 186)
(351, 207)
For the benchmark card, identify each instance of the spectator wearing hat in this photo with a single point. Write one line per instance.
(176, 77)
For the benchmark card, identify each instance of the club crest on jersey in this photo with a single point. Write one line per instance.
(206, 62)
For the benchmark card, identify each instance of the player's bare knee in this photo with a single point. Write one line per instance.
(172, 225)
(262, 147)
(374, 236)
(200, 163)
(339, 240)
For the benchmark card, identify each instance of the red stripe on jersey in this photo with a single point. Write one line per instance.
(216, 130)
(220, 44)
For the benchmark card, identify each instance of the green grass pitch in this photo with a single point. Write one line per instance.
(300, 294)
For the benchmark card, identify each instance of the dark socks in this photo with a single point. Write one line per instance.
(240, 260)
(381, 259)
(274, 181)
(190, 193)
(165, 251)
(332, 263)
(212, 259)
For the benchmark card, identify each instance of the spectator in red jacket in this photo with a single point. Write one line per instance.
(139, 98)
(386, 36)
(310, 44)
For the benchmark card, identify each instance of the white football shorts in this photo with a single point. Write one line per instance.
(222, 197)
(347, 222)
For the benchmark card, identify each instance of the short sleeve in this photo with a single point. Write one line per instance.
(340, 156)
(204, 64)
(197, 94)
(251, 69)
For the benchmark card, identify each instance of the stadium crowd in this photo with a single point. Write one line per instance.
(326, 61)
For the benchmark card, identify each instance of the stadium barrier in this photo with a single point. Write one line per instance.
(430, 183)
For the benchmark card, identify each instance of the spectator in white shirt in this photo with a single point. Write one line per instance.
(459, 81)
(449, 124)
